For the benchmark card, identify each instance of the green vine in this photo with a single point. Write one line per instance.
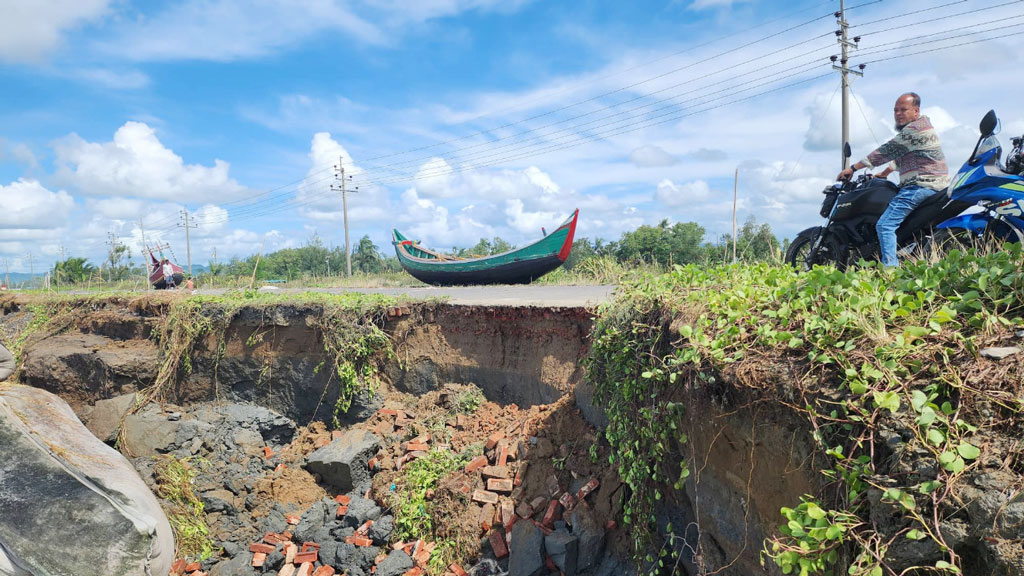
(879, 349)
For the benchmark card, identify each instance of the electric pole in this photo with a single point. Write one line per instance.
(145, 249)
(56, 270)
(188, 244)
(340, 174)
(7, 275)
(31, 268)
(328, 260)
(845, 45)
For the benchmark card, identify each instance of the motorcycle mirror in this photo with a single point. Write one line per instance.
(988, 124)
(847, 152)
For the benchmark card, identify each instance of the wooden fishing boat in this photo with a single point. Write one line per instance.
(519, 266)
(156, 273)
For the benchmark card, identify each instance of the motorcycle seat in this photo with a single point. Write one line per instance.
(928, 213)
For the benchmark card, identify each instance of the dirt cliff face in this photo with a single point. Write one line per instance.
(749, 448)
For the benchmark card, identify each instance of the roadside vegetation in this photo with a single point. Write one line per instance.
(648, 249)
(881, 365)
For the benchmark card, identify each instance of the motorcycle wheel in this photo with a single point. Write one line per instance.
(799, 255)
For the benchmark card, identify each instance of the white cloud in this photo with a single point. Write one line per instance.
(671, 194)
(137, 164)
(652, 156)
(824, 130)
(706, 4)
(29, 205)
(31, 29)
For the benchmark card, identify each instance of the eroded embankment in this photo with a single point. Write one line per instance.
(867, 407)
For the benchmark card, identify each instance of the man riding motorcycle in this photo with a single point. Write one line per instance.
(917, 154)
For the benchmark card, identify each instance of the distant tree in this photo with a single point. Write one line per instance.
(662, 244)
(367, 257)
(754, 242)
(73, 271)
(582, 249)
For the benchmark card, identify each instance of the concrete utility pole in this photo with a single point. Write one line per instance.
(145, 252)
(328, 260)
(845, 44)
(7, 275)
(112, 241)
(188, 243)
(340, 174)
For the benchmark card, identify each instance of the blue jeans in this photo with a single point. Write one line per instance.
(908, 198)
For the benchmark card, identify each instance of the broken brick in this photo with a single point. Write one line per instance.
(538, 503)
(257, 547)
(502, 452)
(499, 485)
(551, 514)
(365, 528)
(287, 570)
(567, 501)
(414, 571)
(493, 439)
(258, 559)
(267, 452)
(416, 447)
(494, 471)
(487, 517)
(476, 463)
(342, 499)
(324, 571)
(498, 544)
(193, 566)
(335, 434)
(290, 550)
(587, 489)
(387, 412)
(457, 570)
(307, 546)
(359, 541)
(508, 515)
(485, 497)
(341, 511)
(305, 569)
(610, 525)
(178, 567)
(304, 557)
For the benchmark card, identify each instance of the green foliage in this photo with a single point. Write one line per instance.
(73, 271)
(413, 513)
(469, 401)
(884, 337)
(174, 479)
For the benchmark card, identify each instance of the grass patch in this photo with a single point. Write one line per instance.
(184, 509)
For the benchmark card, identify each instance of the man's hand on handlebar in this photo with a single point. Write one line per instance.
(846, 174)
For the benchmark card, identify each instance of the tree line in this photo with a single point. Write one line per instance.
(663, 244)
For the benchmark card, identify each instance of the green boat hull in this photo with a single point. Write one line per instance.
(519, 266)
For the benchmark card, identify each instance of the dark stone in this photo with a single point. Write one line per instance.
(274, 429)
(342, 554)
(526, 554)
(563, 548)
(149, 432)
(312, 520)
(359, 511)
(218, 501)
(343, 463)
(363, 556)
(238, 566)
(364, 405)
(381, 530)
(275, 522)
(230, 548)
(396, 563)
(274, 559)
(105, 417)
(590, 533)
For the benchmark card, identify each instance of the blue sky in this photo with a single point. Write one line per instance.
(457, 119)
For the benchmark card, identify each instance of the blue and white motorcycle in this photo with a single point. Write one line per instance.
(852, 209)
(996, 190)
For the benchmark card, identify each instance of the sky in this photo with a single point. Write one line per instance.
(457, 120)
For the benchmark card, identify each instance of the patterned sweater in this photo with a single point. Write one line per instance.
(917, 152)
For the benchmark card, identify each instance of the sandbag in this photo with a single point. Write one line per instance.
(69, 504)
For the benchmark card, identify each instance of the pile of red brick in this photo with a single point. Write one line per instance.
(183, 568)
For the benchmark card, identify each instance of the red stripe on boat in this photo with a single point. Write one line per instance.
(567, 245)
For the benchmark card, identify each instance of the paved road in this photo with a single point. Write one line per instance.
(551, 296)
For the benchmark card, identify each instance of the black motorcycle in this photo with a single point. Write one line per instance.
(852, 208)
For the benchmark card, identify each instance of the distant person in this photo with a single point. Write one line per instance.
(917, 153)
(7, 365)
(168, 273)
(190, 285)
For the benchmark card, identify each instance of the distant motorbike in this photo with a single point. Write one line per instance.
(852, 208)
